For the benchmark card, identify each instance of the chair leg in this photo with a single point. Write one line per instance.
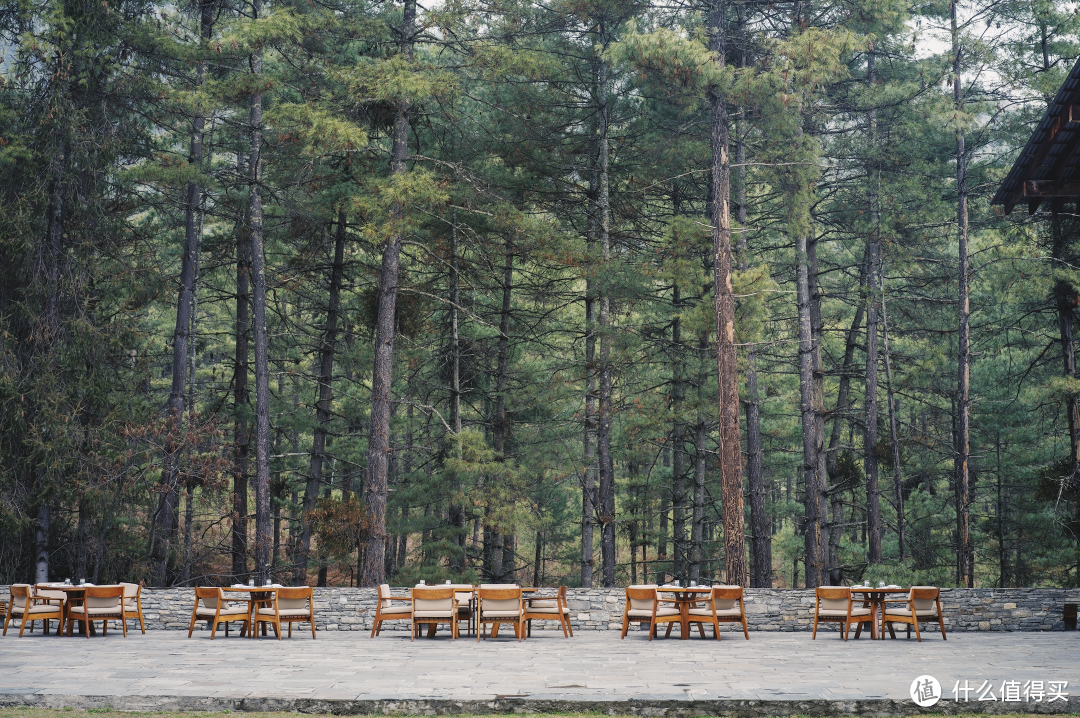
(701, 629)
(141, 624)
(858, 630)
(814, 635)
(745, 629)
(667, 633)
(918, 636)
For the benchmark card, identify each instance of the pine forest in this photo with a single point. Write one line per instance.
(557, 292)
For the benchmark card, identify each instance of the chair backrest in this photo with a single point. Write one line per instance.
(131, 590)
(431, 598)
(726, 596)
(56, 595)
(924, 597)
(562, 594)
(296, 597)
(641, 598)
(833, 598)
(384, 591)
(499, 599)
(209, 596)
(19, 593)
(104, 596)
(499, 585)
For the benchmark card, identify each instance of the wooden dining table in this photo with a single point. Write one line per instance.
(685, 597)
(257, 595)
(877, 597)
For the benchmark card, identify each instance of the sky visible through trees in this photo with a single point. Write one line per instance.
(583, 292)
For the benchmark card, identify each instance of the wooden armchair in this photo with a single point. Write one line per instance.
(53, 598)
(288, 605)
(500, 605)
(720, 607)
(549, 609)
(386, 611)
(643, 605)
(26, 607)
(133, 603)
(210, 606)
(923, 603)
(833, 604)
(432, 606)
(100, 603)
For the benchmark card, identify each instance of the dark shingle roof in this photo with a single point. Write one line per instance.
(1051, 152)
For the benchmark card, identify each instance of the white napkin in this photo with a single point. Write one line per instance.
(238, 585)
(275, 585)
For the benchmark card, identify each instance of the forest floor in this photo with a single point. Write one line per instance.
(349, 673)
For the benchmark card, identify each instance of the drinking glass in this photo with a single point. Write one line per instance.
(251, 582)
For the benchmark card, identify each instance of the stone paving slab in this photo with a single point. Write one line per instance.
(771, 674)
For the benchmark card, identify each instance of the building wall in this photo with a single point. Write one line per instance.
(598, 609)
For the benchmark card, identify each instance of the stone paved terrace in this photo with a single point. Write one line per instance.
(774, 673)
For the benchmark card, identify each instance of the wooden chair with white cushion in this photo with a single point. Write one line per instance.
(497, 606)
(133, 603)
(643, 605)
(100, 603)
(833, 604)
(212, 606)
(432, 606)
(386, 611)
(53, 598)
(464, 598)
(288, 605)
(723, 605)
(26, 607)
(923, 604)
(549, 609)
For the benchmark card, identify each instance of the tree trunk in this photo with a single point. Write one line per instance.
(697, 553)
(258, 305)
(822, 486)
(382, 375)
(812, 526)
(323, 403)
(730, 450)
(457, 511)
(604, 413)
(588, 479)
(678, 443)
(493, 540)
(963, 358)
(241, 437)
(894, 438)
(873, 258)
(760, 528)
(41, 543)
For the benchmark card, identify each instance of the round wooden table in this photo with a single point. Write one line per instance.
(877, 597)
(257, 594)
(685, 596)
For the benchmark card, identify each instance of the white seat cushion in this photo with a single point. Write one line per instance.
(720, 612)
(283, 612)
(433, 614)
(225, 611)
(832, 612)
(641, 613)
(395, 610)
(18, 611)
(907, 612)
(499, 614)
(95, 610)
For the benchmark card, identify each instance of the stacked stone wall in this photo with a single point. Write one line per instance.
(598, 609)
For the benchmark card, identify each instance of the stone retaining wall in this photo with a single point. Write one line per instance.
(597, 609)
